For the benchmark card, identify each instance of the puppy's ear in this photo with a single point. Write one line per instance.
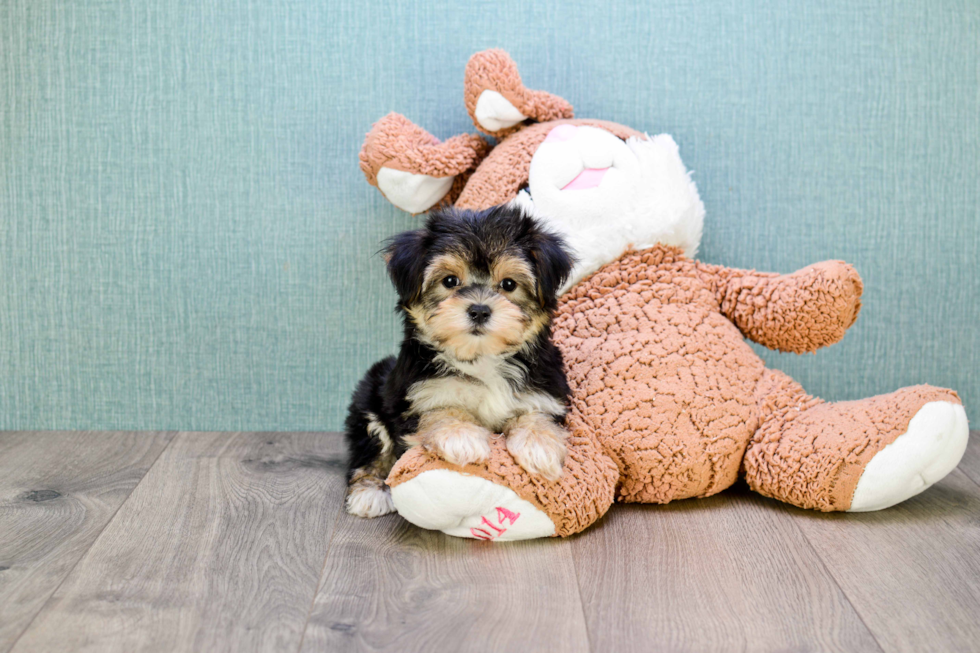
(405, 257)
(552, 264)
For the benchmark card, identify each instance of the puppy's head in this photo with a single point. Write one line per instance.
(478, 283)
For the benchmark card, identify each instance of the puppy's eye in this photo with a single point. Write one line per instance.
(508, 285)
(450, 282)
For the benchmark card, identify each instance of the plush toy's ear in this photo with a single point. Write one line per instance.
(412, 168)
(497, 100)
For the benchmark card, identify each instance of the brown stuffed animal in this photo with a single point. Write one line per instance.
(669, 401)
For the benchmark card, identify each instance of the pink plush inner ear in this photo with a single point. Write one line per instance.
(588, 178)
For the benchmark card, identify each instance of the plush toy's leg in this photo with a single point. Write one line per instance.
(853, 455)
(498, 500)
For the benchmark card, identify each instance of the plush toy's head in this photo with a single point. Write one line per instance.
(605, 187)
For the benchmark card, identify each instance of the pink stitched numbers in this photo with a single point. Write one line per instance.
(495, 531)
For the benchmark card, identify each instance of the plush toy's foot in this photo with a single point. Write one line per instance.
(498, 499)
(929, 450)
(462, 505)
(859, 455)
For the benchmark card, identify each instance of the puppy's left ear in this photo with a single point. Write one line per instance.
(553, 263)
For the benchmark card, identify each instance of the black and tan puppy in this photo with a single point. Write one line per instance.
(476, 291)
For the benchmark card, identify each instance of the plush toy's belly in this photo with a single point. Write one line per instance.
(664, 379)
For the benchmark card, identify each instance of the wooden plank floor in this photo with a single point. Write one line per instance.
(57, 493)
(237, 542)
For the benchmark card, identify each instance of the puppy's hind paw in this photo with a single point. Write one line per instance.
(369, 498)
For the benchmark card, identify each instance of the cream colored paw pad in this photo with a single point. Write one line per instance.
(462, 505)
(410, 192)
(929, 450)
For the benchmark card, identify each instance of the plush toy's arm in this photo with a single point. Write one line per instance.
(798, 312)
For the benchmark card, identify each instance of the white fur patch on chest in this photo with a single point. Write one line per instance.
(485, 392)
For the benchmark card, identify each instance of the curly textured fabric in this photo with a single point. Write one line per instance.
(663, 378)
(810, 453)
(580, 497)
(494, 70)
(824, 300)
(661, 372)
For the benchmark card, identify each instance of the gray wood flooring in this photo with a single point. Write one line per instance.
(114, 541)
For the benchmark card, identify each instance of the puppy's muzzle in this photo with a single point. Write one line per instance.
(479, 314)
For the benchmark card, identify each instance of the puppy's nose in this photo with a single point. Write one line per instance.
(479, 313)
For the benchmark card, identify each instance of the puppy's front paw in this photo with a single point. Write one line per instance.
(455, 440)
(538, 445)
(465, 444)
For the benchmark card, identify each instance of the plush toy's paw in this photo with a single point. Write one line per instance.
(462, 505)
(929, 450)
(369, 498)
(843, 282)
(538, 445)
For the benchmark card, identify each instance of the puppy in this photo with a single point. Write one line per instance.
(476, 292)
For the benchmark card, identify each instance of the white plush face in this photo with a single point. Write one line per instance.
(607, 196)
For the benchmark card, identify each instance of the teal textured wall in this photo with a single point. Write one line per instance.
(186, 240)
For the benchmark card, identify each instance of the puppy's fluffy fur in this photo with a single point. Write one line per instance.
(477, 291)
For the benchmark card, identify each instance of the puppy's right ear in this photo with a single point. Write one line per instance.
(405, 258)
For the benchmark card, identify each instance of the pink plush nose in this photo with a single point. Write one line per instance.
(561, 133)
